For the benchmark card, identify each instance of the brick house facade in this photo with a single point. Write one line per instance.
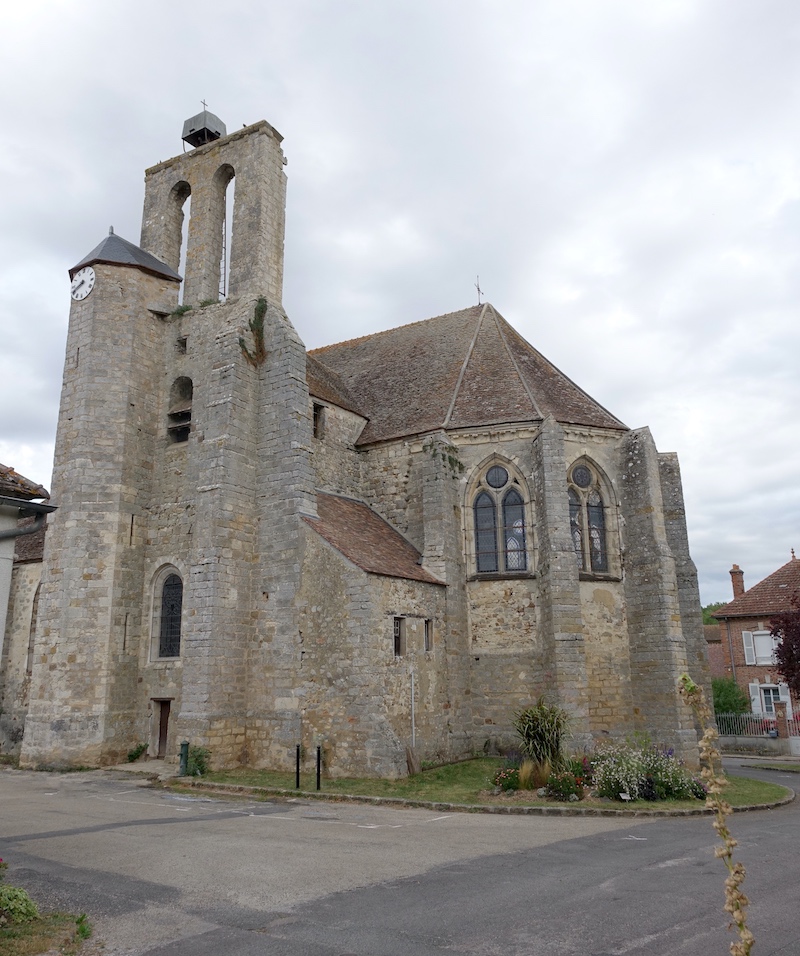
(747, 646)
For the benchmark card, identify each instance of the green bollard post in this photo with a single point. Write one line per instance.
(184, 764)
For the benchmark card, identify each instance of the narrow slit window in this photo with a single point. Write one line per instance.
(179, 417)
(399, 634)
(169, 642)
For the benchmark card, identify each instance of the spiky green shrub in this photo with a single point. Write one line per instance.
(541, 730)
(197, 764)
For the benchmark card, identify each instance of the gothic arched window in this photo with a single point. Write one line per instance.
(499, 516)
(169, 629)
(587, 521)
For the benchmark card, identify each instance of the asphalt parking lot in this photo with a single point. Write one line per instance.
(161, 873)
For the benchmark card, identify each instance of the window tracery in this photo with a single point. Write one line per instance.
(499, 519)
(587, 520)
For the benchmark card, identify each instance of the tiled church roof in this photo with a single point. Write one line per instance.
(460, 370)
(770, 596)
(17, 486)
(324, 383)
(366, 539)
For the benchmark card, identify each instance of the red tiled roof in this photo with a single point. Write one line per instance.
(17, 486)
(770, 596)
(464, 369)
(366, 539)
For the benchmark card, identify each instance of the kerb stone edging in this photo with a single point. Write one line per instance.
(570, 811)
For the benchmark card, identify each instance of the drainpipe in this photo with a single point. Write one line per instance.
(730, 647)
(11, 510)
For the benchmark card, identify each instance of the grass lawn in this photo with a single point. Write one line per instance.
(469, 783)
(51, 932)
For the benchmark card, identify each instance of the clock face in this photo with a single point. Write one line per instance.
(82, 283)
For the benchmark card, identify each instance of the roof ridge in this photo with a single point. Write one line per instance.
(563, 375)
(520, 376)
(395, 328)
(464, 364)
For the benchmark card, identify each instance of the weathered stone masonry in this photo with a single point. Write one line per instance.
(321, 515)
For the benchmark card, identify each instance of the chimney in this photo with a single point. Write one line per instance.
(737, 580)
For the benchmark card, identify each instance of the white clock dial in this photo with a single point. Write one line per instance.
(82, 283)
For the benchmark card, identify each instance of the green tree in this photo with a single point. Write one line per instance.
(709, 609)
(786, 626)
(729, 698)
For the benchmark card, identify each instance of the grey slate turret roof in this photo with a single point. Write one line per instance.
(116, 251)
(465, 369)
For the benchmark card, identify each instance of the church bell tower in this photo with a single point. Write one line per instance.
(161, 474)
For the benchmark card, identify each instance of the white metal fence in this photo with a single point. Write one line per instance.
(749, 725)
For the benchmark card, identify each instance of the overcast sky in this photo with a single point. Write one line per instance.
(623, 175)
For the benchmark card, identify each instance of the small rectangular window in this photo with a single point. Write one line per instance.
(399, 637)
(319, 420)
(428, 636)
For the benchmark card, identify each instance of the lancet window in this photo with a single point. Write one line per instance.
(499, 518)
(587, 520)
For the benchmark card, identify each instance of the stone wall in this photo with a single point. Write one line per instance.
(14, 675)
(337, 465)
(353, 695)
(254, 159)
(84, 672)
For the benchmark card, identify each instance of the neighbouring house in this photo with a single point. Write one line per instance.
(747, 645)
(717, 661)
(23, 512)
(386, 545)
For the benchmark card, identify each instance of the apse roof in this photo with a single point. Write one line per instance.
(366, 539)
(114, 250)
(465, 369)
(770, 596)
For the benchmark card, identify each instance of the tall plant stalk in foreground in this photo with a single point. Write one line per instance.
(711, 771)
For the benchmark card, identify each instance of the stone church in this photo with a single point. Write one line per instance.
(381, 547)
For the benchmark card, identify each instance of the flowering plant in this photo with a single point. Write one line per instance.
(564, 786)
(507, 778)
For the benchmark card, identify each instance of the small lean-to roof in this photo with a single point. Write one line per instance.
(116, 251)
(325, 384)
(366, 539)
(465, 369)
(18, 486)
(29, 548)
(770, 596)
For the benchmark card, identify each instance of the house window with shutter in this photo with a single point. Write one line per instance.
(759, 647)
(764, 697)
